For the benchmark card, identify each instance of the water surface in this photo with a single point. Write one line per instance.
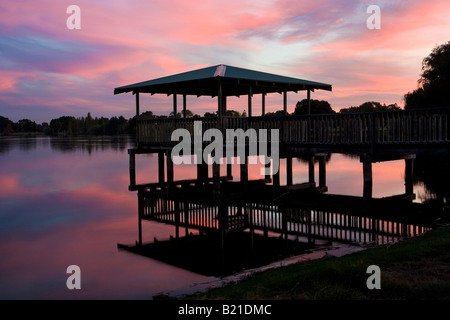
(66, 202)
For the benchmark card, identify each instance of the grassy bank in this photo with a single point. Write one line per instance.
(417, 268)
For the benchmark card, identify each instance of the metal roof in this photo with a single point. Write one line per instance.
(235, 82)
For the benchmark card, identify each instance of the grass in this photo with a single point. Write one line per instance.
(416, 268)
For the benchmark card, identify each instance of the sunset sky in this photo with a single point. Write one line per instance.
(48, 70)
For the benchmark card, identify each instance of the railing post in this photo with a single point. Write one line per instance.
(132, 169)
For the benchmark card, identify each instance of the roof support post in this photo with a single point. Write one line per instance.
(250, 102)
(219, 106)
(263, 104)
(137, 118)
(285, 101)
(309, 101)
(174, 105)
(184, 106)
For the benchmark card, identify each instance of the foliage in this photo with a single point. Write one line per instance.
(317, 107)
(434, 83)
(371, 106)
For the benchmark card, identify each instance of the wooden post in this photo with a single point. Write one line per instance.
(309, 100)
(140, 214)
(289, 178)
(267, 177)
(263, 104)
(137, 119)
(174, 105)
(177, 219)
(276, 179)
(322, 172)
(184, 106)
(229, 171)
(216, 179)
(202, 173)
(285, 101)
(132, 169)
(311, 169)
(244, 173)
(250, 102)
(186, 217)
(169, 172)
(161, 178)
(367, 176)
(219, 106)
(409, 174)
(223, 226)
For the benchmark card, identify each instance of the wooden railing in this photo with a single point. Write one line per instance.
(313, 223)
(424, 126)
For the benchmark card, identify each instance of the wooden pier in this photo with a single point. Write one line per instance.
(217, 205)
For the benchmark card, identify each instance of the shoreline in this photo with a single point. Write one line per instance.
(321, 252)
(412, 269)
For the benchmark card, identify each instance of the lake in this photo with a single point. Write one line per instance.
(65, 201)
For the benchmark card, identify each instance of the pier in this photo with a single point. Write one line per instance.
(216, 205)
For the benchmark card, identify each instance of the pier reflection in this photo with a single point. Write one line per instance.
(254, 223)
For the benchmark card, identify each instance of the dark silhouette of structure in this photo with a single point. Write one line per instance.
(222, 207)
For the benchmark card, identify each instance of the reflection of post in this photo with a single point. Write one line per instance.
(186, 217)
(249, 211)
(311, 169)
(244, 173)
(216, 178)
(284, 223)
(223, 225)
(367, 173)
(177, 219)
(140, 214)
(409, 172)
(132, 169)
(169, 172)
(161, 167)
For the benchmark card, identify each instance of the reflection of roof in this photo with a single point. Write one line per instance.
(235, 81)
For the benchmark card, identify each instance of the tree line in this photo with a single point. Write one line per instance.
(69, 126)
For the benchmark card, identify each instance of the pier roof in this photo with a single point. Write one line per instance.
(234, 82)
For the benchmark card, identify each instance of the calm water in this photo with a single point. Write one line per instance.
(66, 202)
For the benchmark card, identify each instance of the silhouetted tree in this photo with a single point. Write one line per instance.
(371, 106)
(317, 107)
(62, 125)
(6, 126)
(210, 114)
(189, 114)
(434, 83)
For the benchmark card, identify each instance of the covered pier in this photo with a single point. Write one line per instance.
(214, 203)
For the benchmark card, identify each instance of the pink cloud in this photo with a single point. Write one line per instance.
(123, 43)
